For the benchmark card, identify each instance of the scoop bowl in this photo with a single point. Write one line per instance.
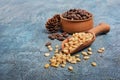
(101, 28)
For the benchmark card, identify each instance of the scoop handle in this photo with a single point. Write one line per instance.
(101, 28)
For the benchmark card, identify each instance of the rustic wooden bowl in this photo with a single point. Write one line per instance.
(72, 26)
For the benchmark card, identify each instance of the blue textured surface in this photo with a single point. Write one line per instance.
(22, 39)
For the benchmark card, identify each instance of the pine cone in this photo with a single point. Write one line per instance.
(53, 24)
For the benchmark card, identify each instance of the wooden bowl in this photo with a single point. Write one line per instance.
(72, 26)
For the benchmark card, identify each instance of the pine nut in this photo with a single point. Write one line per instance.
(94, 64)
(46, 66)
(89, 52)
(99, 51)
(86, 57)
(47, 54)
(57, 46)
(89, 49)
(78, 59)
(84, 53)
(70, 68)
(50, 49)
(62, 65)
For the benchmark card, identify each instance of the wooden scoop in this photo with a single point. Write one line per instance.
(101, 28)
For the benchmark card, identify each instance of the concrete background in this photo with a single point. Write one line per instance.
(23, 35)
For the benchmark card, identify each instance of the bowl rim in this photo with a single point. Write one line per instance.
(76, 20)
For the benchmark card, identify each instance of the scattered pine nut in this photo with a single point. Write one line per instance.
(46, 66)
(56, 66)
(60, 58)
(90, 49)
(100, 51)
(73, 62)
(84, 53)
(86, 57)
(49, 46)
(89, 52)
(62, 65)
(70, 68)
(94, 64)
(57, 46)
(47, 54)
(78, 59)
(50, 49)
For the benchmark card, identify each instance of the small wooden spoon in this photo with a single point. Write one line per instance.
(101, 28)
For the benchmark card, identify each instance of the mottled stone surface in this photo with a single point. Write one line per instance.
(23, 35)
